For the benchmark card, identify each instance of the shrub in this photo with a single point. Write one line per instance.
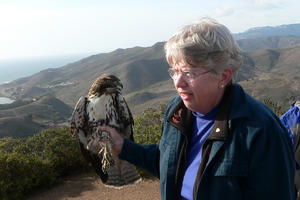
(147, 127)
(20, 174)
(41, 160)
(274, 106)
(37, 161)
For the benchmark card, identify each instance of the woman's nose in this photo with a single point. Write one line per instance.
(179, 81)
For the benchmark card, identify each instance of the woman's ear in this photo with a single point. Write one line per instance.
(225, 77)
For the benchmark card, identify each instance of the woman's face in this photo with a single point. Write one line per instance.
(201, 93)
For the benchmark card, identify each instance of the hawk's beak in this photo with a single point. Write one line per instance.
(120, 85)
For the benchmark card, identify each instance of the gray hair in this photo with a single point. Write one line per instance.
(206, 43)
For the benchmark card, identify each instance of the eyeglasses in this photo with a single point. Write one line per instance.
(187, 75)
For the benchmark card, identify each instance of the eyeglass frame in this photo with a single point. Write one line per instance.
(174, 74)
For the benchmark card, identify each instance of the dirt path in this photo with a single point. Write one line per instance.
(89, 187)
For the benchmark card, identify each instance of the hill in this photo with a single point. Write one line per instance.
(266, 31)
(143, 72)
(138, 68)
(271, 42)
(270, 70)
(276, 74)
(27, 117)
(19, 127)
(46, 109)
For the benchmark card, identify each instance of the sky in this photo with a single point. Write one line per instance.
(34, 28)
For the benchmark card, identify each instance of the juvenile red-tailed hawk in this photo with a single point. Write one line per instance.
(104, 105)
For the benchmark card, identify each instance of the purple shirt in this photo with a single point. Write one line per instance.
(202, 127)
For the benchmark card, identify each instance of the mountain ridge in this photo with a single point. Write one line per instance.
(270, 70)
(281, 30)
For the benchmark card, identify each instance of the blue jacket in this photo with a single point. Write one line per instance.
(291, 121)
(248, 154)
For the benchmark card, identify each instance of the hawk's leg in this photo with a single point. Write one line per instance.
(106, 151)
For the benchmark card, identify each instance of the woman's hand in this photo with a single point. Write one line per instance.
(117, 139)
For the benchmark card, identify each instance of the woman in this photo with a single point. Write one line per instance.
(217, 141)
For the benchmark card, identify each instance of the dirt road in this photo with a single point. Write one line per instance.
(89, 187)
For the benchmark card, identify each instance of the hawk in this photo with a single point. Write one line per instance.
(104, 105)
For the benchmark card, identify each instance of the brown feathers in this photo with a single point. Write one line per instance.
(105, 84)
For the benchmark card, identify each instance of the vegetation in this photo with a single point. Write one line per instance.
(20, 126)
(41, 160)
(147, 127)
(274, 106)
(37, 162)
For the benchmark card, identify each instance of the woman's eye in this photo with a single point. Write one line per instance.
(188, 74)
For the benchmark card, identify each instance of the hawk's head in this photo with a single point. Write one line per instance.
(105, 84)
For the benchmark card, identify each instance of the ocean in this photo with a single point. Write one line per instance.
(12, 69)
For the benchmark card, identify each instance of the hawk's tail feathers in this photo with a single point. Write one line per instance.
(121, 174)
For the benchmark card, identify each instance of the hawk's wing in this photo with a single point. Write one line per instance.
(122, 172)
(78, 122)
(78, 119)
(125, 117)
(95, 161)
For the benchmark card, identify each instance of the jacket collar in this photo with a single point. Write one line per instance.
(220, 128)
(239, 107)
(181, 118)
(231, 107)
